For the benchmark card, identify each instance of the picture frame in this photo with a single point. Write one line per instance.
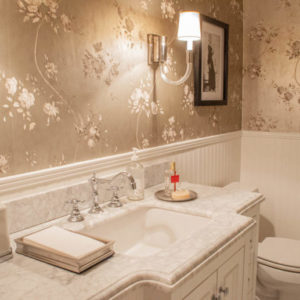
(211, 63)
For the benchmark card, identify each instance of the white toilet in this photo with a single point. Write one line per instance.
(278, 262)
(278, 269)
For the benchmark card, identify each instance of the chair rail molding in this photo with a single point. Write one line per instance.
(77, 172)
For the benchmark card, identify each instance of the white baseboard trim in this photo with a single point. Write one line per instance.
(273, 135)
(21, 182)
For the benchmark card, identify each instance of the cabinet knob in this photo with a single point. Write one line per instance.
(214, 297)
(224, 291)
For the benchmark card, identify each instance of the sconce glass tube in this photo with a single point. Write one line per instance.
(188, 71)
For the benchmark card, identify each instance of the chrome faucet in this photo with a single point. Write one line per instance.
(96, 208)
(115, 201)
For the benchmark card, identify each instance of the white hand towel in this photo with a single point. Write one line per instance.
(4, 237)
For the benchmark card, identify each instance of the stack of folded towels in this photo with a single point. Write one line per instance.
(63, 242)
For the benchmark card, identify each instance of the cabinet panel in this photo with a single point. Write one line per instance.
(230, 277)
(206, 290)
(228, 269)
(253, 247)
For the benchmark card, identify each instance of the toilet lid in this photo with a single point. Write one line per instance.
(280, 253)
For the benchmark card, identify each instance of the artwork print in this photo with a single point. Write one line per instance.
(210, 64)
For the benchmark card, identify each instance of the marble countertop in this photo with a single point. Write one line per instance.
(26, 278)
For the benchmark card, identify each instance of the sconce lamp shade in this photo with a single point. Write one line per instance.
(189, 26)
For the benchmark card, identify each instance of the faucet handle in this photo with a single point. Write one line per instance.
(75, 215)
(115, 201)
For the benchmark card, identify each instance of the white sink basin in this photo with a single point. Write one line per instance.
(145, 231)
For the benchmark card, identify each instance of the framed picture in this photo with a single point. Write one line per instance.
(211, 63)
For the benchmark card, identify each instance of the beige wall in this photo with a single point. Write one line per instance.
(271, 89)
(75, 84)
(271, 102)
(270, 161)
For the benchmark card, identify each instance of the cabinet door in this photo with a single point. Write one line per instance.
(230, 277)
(206, 290)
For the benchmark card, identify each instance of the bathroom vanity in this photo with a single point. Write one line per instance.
(230, 273)
(207, 250)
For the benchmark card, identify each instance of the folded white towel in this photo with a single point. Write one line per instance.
(64, 242)
(4, 237)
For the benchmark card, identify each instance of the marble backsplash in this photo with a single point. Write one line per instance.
(24, 212)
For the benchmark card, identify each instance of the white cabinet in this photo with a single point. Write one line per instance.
(228, 274)
(230, 277)
(206, 290)
(224, 283)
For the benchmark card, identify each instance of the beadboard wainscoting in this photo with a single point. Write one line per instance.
(213, 160)
(215, 164)
(271, 161)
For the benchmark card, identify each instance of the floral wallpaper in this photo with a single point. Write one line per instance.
(75, 84)
(271, 89)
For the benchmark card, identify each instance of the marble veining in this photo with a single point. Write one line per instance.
(23, 277)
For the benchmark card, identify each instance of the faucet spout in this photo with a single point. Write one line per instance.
(115, 201)
(128, 176)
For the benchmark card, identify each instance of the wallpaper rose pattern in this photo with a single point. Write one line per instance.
(271, 65)
(75, 84)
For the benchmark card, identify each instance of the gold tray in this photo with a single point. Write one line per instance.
(65, 261)
(160, 195)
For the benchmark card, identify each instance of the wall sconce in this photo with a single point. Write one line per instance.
(189, 31)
